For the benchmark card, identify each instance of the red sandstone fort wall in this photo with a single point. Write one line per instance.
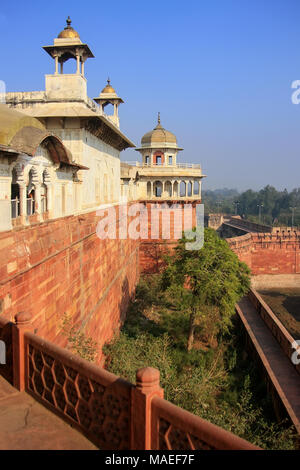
(267, 253)
(153, 250)
(61, 266)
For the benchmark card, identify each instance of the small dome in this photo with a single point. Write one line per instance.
(68, 32)
(158, 135)
(108, 88)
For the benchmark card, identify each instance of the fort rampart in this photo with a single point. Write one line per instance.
(269, 253)
(61, 267)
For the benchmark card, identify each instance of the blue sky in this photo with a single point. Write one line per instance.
(219, 72)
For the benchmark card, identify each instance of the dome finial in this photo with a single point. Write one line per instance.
(158, 118)
(68, 21)
(108, 81)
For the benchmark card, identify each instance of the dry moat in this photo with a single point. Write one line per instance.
(285, 303)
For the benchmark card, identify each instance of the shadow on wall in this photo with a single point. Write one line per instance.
(125, 298)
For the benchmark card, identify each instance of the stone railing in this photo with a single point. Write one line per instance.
(111, 412)
(174, 428)
(274, 324)
(163, 166)
(90, 398)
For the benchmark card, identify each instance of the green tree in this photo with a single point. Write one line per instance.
(206, 283)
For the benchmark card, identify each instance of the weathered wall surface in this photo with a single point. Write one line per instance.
(267, 253)
(164, 231)
(61, 266)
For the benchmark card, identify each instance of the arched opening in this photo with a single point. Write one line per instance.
(158, 158)
(182, 188)
(158, 188)
(149, 189)
(168, 189)
(189, 191)
(196, 188)
(108, 108)
(15, 196)
(30, 194)
(175, 189)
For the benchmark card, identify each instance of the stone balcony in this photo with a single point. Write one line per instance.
(180, 169)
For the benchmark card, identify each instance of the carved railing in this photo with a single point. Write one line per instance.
(161, 166)
(111, 412)
(90, 398)
(174, 428)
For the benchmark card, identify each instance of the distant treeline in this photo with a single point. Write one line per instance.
(267, 206)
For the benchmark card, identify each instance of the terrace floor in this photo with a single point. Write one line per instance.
(27, 425)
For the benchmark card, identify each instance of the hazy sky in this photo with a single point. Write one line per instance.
(219, 71)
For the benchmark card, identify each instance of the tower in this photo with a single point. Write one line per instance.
(67, 45)
(109, 96)
(160, 176)
(159, 147)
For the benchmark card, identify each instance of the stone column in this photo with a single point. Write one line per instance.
(192, 188)
(21, 326)
(78, 63)
(56, 65)
(151, 194)
(186, 188)
(61, 67)
(147, 387)
(49, 200)
(37, 200)
(23, 202)
(82, 68)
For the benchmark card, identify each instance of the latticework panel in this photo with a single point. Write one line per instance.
(101, 411)
(174, 438)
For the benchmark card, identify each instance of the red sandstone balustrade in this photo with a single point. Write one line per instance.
(93, 400)
(111, 412)
(174, 428)
(284, 338)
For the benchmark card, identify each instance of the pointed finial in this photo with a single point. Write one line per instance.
(108, 81)
(68, 21)
(158, 118)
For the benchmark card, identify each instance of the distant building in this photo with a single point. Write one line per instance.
(160, 175)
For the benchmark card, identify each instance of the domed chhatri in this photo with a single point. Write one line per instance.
(68, 45)
(108, 88)
(108, 96)
(160, 176)
(159, 135)
(68, 31)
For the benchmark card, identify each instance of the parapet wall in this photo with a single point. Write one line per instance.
(61, 266)
(269, 253)
(275, 326)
